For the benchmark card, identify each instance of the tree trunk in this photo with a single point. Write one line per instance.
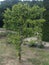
(19, 54)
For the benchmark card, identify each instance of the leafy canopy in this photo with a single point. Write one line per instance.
(23, 19)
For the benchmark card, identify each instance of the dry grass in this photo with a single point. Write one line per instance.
(30, 56)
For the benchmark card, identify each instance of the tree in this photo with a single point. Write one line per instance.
(9, 3)
(22, 19)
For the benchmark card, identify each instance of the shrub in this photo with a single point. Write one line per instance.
(32, 43)
(41, 46)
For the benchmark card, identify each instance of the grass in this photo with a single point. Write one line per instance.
(7, 52)
(35, 56)
(41, 57)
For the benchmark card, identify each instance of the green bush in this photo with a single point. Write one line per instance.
(41, 46)
(32, 43)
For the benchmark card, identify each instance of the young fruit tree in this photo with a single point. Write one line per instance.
(23, 20)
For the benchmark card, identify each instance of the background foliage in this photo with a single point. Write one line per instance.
(46, 24)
